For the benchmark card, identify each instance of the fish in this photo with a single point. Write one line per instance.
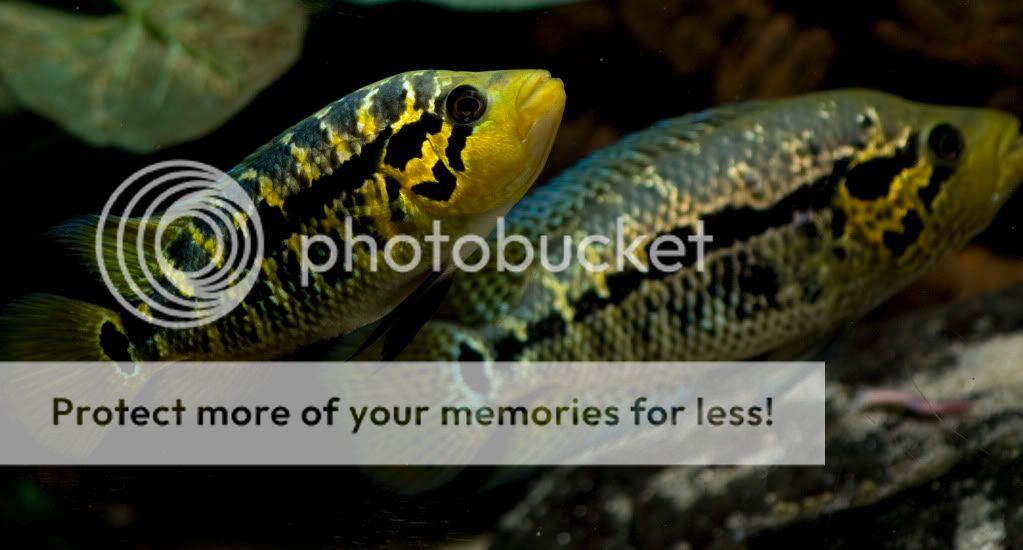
(819, 207)
(389, 159)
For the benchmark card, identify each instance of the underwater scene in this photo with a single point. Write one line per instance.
(568, 273)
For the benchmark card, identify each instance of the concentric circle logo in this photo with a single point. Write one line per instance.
(166, 201)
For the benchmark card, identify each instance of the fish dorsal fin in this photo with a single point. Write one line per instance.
(79, 236)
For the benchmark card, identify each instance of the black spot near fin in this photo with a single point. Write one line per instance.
(46, 327)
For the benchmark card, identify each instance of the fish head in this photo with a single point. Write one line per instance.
(495, 133)
(978, 156)
(923, 179)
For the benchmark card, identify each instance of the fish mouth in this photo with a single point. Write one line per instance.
(1012, 161)
(540, 102)
(1017, 146)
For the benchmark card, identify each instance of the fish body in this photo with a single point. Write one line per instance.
(820, 207)
(389, 160)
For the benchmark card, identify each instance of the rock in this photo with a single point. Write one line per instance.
(893, 478)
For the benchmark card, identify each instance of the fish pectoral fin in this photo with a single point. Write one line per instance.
(123, 257)
(385, 339)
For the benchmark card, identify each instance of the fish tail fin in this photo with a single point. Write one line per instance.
(63, 348)
(119, 240)
(46, 327)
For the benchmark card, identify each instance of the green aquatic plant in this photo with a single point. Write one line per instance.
(8, 104)
(151, 75)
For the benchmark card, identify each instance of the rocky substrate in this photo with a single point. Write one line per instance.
(894, 478)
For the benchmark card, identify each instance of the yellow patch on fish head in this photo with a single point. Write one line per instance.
(979, 152)
(930, 180)
(496, 131)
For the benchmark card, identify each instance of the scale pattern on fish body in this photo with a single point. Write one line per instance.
(820, 207)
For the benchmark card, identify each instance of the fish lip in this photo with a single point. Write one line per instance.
(529, 88)
(1017, 146)
(541, 101)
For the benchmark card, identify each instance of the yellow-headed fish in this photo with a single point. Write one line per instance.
(390, 158)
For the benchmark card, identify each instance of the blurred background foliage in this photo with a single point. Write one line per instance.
(155, 73)
(93, 90)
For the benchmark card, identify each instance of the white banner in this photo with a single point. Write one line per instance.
(412, 413)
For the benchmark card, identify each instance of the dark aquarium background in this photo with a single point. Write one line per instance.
(625, 64)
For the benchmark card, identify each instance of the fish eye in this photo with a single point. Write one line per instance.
(465, 104)
(946, 142)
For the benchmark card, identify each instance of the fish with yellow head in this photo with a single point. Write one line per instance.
(384, 162)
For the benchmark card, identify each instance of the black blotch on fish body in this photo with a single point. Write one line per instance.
(508, 348)
(872, 179)
(939, 176)
(274, 223)
(548, 327)
(439, 190)
(727, 227)
(456, 143)
(407, 143)
(393, 189)
(113, 342)
(838, 220)
(388, 102)
(731, 225)
(468, 353)
(898, 242)
(312, 202)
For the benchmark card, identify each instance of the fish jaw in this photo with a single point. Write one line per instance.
(541, 104)
(1013, 165)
